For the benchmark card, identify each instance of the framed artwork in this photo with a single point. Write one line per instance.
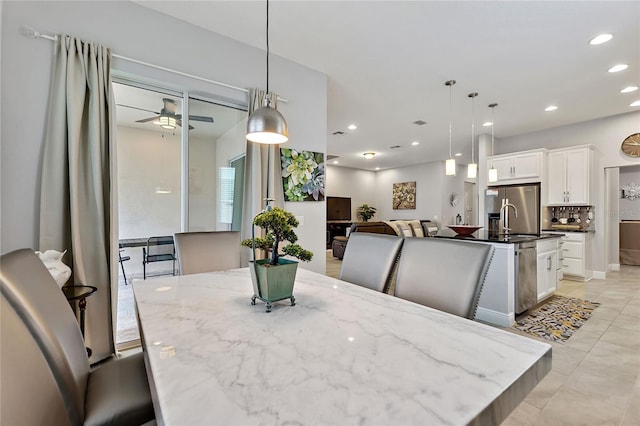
(404, 196)
(303, 174)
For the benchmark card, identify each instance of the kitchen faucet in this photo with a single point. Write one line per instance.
(504, 210)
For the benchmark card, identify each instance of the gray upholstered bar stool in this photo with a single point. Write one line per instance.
(369, 259)
(443, 274)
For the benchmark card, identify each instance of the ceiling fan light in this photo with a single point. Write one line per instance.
(472, 170)
(167, 122)
(266, 125)
(450, 167)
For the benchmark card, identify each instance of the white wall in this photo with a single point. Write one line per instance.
(433, 190)
(133, 31)
(359, 185)
(606, 134)
(629, 209)
(203, 184)
(148, 160)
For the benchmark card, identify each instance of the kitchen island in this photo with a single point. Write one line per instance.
(498, 300)
(343, 355)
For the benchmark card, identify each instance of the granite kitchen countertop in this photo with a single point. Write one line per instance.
(487, 237)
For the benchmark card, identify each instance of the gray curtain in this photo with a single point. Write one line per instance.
(77, 195)
(262, 175)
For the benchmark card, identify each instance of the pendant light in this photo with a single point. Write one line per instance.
(493, 173)
(472, 168)
(266, 125)
(450, 164)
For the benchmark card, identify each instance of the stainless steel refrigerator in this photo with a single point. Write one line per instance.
(525, 198)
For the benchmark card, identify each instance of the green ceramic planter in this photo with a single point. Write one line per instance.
(273, 283)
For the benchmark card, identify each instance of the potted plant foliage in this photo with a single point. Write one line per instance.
(366, 212)
(274, 276)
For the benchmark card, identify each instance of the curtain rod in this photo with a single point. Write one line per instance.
(30, 32)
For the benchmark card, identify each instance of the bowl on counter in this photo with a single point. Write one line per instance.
(464, 229)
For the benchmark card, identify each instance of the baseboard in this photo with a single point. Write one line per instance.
(614, 266)
(600, 275)
(494, 317)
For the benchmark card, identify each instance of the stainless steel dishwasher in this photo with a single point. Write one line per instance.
(526, 276)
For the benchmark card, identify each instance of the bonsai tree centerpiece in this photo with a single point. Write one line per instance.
(366, 212)
(274, 276)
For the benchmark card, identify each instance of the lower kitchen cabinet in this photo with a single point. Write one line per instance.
(576, 256)
(547, 265)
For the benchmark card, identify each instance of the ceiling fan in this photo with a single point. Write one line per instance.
(167, 117)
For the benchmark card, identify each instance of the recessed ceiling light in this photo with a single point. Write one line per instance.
(599, 39)
(369, 155)
(487, 124)
(618, 68)
(551, 108)
(629, 89)
(377, 168)
(414, 143)
(458, 154)
(352, 127)
(336, 162)
(635, 104)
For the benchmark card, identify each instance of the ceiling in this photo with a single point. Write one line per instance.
(387, 62)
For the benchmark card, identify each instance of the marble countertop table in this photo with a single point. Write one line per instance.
(342, 355)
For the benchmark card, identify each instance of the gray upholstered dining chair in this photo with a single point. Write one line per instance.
(443, 274)
(207, 251)
(369, 259)
(44, 356)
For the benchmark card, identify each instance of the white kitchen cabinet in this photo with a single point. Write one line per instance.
(575, 256)
(519, 167)
(570, 176)
(547, 266)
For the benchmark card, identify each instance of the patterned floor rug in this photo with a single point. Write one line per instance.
(558, 318)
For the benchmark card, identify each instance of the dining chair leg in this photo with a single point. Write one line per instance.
(123, 273)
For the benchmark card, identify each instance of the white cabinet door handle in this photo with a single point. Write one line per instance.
(548, 263)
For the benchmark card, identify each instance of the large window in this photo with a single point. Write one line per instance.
(170, 180)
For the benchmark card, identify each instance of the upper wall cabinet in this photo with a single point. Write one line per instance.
(521, 167)
(570, 176)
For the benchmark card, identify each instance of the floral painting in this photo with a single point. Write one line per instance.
(404, 196)
(302, 175)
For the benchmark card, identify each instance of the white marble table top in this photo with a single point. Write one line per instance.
(342, 355)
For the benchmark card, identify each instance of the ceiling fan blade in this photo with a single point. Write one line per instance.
(198, 118)
(179, 123)
(146, 120)
(139, 109)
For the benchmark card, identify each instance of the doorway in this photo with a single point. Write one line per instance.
(623, 215)
(470, 204)
(174, 175)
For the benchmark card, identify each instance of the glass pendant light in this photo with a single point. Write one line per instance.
(493, 173)
(266, 125)
(472, 168)
(450, 165)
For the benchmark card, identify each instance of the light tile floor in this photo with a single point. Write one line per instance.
(595, 376)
